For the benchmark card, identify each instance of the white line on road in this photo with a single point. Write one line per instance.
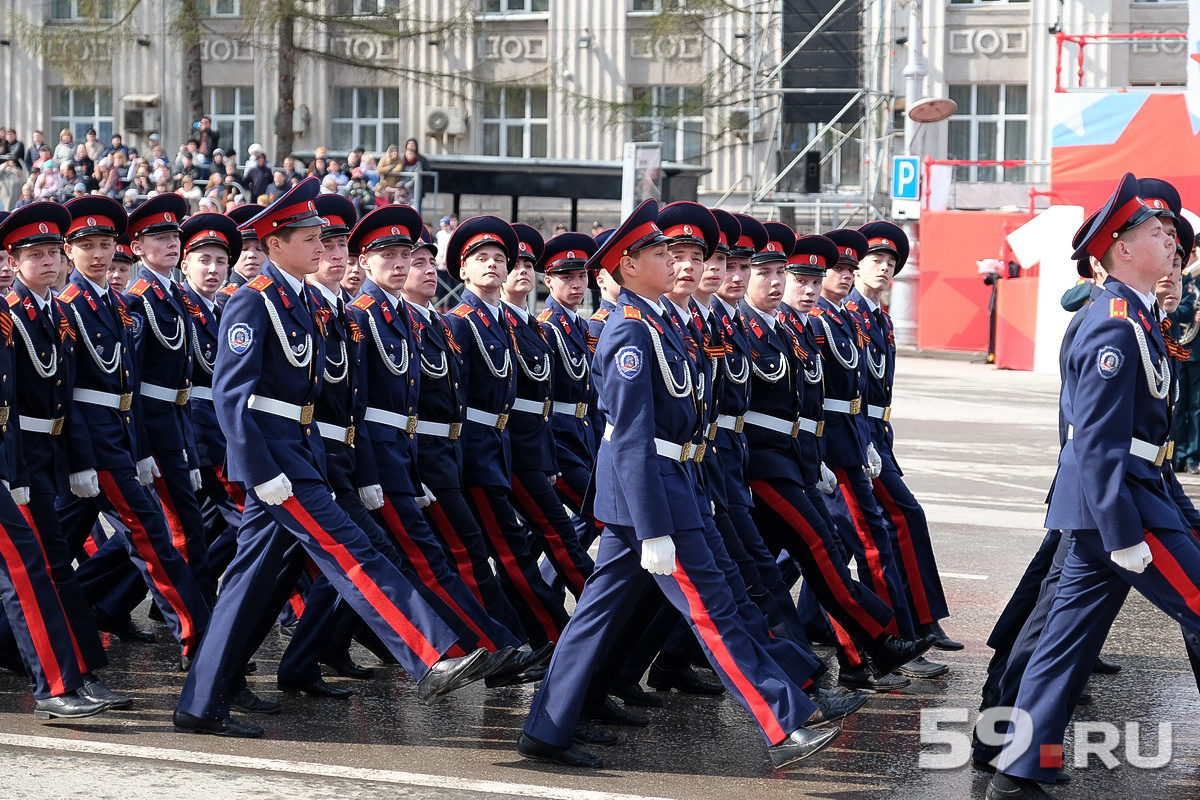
(310, 768)
(963, 576)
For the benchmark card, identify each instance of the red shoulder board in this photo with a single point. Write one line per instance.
(68, 294)
(139, 287)
(853, 306)
(816, 312)
(601, 314)
(1118, 309)
(363, 302)
(632, 313)
(228, 289)
(462, 310)
(259, 284)
(12, 297)
(544, 316)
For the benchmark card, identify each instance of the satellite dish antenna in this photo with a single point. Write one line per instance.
(932, 109)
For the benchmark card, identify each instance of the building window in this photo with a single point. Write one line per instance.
(80, 109)
(992, 124)
(516, 6)
(368, 118)
(514, 122)
(219, 8)
(81, 9)
(672, 115)
(365, 8)
(659, 6)
(232, 112)
(987, 2)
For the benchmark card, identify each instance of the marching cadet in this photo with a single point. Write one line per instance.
(534, 454)
(253, 255)
(271, 348)
(1109, 493)
(390, 383)
(646, 478)
(110, 466)
(887, 252)
(479, 252)
(46, 613)
(122, 266)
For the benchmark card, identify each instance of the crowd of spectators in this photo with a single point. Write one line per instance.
(209, 177)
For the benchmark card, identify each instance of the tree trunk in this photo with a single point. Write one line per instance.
(284, 136)
(188, 25)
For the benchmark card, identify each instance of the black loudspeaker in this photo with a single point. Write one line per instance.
(812, 172)
(805, 176)
(832, 59)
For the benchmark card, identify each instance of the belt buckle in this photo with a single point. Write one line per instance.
(455, 430)
(348, 439)
(1170, 449)
(56, 426)
(739, 424)
(306, 414)
(699, 454)
(502, 421)
(182, 395)
(820, 428)
(547, 407)
(411, 427)
(856, 405)
(887, 414)
(125, 402)
(581, 410)
(685, 452)
(712, 432)
(795, 429)
(4, 412)
(1162, 454)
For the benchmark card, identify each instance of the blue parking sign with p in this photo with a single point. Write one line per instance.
(906, 181)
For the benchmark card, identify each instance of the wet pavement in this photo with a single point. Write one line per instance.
(978, 447)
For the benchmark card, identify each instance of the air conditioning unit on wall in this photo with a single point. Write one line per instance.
(446, 122)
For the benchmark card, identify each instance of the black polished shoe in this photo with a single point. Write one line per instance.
(834, 704)
(250, 668)
(685, 679)
(67, 706)
(1105, 667)
(567, 756)
(94, 689)
(890, 652)
(610, 713)
(317, 688)
(345, 667)
(1085, 699)
(922, 667)
(247, 701)
(517, 668)
(863, 679)
(451, 673)
(801, 744)
(185, 663)
(943, 642)
(186, 723)
(1006, 787)
(632, 694)
(123, 629)
(590, 734)
(155, 614)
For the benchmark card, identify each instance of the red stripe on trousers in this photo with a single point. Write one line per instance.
(32, 613)
(816, 545)
(874, 562)
(371, 591)
(908, 554)
(28, 515)
(414, 554)
(236, 492)
(558, 550)
(572, 496)
(458, 551)
(509, 562)
(849, 648)
(716, 645)
(296, 601)
(1174, 572)
(89, 545)
(145, 548)
(178, 535)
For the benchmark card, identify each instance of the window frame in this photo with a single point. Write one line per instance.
(656, 121)
(1000, 119)
(79, 123)
(526, 123)
(359, 122)
(75, 15)
(229, 125)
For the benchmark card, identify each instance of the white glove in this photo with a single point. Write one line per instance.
(371, 496)
(430, 498)
(658, 555)
(85, 483)
(1134, 559)
(147, 471)
(197, 479)
(828, 482)
(274, 491)
(20, 495)
(874, 462)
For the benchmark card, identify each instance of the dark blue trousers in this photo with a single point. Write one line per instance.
(914, 550)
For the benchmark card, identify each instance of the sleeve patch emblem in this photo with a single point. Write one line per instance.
(629, 362)
(1109, 361)
(241, 336)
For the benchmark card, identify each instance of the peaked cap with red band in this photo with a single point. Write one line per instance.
(686, 222)
(603, 236)
(475, 233)
(386, 226)
(530, 243)
(1124, 210)
(1185, 238)
(851, 244)
(95, 215)
(729, 227)
(639, 231)
(124, 251)
(212, 229)
(1159, 194)
(812, 255)
(36, 223)
(888, 238)
(567, 252)
(296, 209)
(243, 214)
(1083, 265)
(160, 214)
(752, 239)
(780, 241)
(339, 215)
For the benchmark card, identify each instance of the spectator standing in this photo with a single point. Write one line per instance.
(34, 148)
(289, 171)
(207, 139)
(117, 146)
(258, 177)
(390, 167)
(14, 148)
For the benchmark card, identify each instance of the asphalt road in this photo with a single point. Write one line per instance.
(978, 448)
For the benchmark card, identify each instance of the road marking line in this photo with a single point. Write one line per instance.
(963, 576)
(309, 768)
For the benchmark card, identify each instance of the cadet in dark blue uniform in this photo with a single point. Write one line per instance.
(269, 371)
(645, 494)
